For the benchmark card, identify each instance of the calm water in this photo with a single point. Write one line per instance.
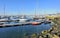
(19, 31)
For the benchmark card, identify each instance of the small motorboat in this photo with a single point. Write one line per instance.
(35, 23)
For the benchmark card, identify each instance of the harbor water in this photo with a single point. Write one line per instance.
(19, 31)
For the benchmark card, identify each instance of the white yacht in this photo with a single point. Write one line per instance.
(23, 19)
(3, 20)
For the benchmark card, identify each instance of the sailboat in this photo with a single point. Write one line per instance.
(36, 18)
(3, 19)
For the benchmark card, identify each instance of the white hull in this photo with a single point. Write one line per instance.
(23, 20)
(3, 19)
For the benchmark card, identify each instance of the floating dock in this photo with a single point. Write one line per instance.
(22, 23)
(17, 24)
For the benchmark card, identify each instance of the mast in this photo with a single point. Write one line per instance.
(4, 9)
(36, 7)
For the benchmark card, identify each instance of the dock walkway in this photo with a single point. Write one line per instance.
(17, 24)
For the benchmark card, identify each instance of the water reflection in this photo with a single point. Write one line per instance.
(19, 31)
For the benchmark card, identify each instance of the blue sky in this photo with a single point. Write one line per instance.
(17, 7)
